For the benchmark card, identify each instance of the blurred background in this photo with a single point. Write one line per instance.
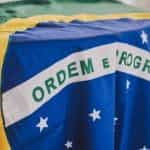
(26, 8)
(145, 4)
(137, 3)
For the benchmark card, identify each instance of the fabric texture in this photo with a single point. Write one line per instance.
(81, 85)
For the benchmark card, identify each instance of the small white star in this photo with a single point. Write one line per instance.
(128, 83)
(42, 124)
(95, 115)
(68, 144)
(115, 120)
(144, 148)
(144, 37)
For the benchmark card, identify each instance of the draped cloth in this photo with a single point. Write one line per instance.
(77, 82)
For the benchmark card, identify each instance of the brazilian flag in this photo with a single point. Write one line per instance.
(54, 10)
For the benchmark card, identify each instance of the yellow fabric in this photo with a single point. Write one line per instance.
(3, 141)
(22, 24)
(3, 46)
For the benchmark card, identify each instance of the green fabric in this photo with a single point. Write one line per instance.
(64, 7)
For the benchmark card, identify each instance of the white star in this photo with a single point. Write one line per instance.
(95, 115)
(128, 83)
(42, 124)
(68, 144)
(115, 120)
(144, 148)
(144, 37)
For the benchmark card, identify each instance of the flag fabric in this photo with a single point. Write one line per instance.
(80, 85)
(3, 140)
